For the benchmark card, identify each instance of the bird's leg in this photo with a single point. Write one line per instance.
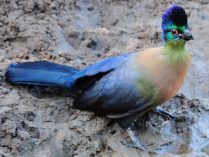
(136, 141)
(1, 77)
(164, 113)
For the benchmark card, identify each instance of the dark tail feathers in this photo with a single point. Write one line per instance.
(39, 73)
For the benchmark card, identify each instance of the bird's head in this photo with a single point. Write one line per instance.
(174, 25)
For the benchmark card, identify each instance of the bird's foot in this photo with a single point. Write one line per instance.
(136, 141)
(136, 145)
(1, 77)
(164, 113)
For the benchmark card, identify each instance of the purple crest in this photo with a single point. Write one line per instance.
(175, 15)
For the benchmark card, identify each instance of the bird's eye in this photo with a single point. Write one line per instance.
(174, 31)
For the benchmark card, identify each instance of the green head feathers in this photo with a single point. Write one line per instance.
(174, 25)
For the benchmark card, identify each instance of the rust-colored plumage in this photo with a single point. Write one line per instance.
(167, 68)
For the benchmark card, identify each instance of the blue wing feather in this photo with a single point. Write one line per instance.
(102, 67)
(96, 70)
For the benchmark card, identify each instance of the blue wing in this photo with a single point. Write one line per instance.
(95, 71)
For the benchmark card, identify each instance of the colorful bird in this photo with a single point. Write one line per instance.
(123, 87)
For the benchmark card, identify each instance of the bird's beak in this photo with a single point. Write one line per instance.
(187, 35)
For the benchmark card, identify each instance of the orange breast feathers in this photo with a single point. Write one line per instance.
(166, 69)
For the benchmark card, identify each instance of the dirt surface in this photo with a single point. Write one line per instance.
(79, 33)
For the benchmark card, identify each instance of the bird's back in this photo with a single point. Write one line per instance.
(114, 93)
(145, 80)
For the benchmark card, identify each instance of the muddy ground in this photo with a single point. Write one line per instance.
(79, 33)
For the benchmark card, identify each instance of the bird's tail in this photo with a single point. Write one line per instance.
(40, 73)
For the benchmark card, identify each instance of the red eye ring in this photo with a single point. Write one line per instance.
(174, 31)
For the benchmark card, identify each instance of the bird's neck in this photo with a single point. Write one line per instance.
(175, 46)
(175, 50)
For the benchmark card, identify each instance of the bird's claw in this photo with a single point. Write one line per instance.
(136, 141)
(135, 145)
(139, 146)
(164, 113)
(1, 77)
